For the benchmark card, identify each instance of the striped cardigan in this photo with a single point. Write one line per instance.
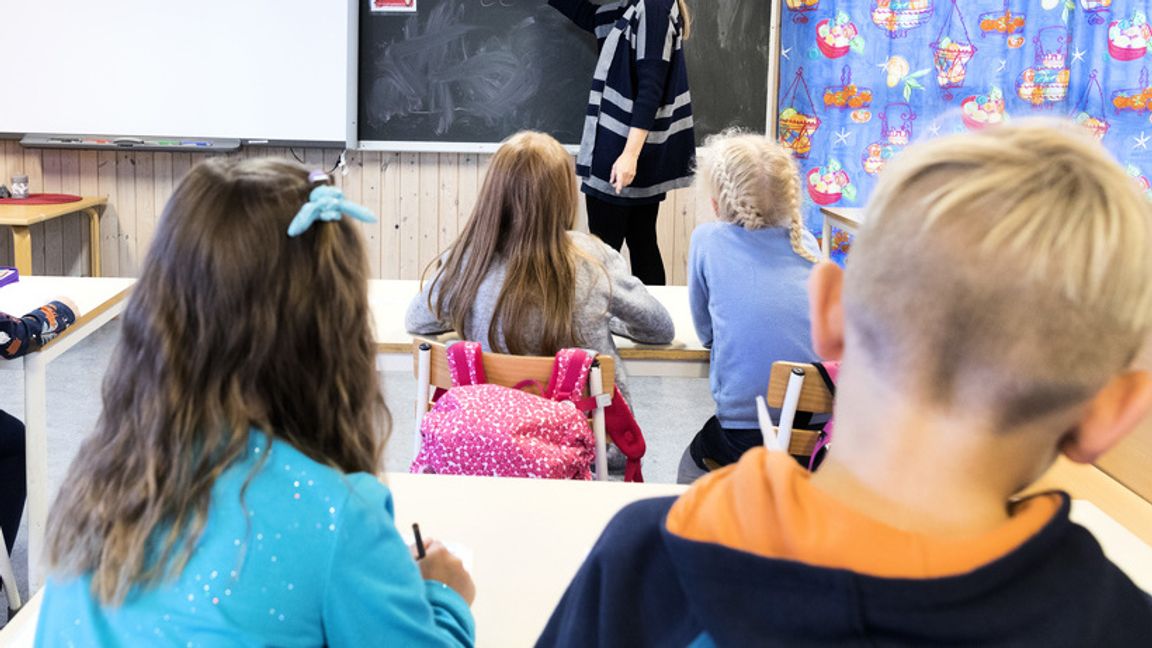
(641, 81)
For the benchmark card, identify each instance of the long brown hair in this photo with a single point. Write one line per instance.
(525, 207)
(232, 325)
(685, 19)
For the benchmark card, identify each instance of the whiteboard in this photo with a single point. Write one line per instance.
(281, 70)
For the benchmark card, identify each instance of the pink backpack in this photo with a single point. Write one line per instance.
(481, 429)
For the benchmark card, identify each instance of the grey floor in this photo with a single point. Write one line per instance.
(670, 411)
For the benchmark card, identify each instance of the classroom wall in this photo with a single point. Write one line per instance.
(423, 200)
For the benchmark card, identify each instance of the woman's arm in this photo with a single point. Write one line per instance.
(654, 46)
(581, 12)
(624, 169)
(21, 335)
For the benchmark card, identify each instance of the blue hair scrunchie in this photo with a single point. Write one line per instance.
(326, 203)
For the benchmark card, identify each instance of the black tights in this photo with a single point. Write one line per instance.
(12, 476)
(632, 224)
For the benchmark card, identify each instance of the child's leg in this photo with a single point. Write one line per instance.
(688, 471)
(13, 482)
(715, 447)
(643, 246)
(607, 221)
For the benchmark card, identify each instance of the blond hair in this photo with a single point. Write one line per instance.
(522, 216)
(229, 328)
(685, 19)
(755, 184)
(1005, 270)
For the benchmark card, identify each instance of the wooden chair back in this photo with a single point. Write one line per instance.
(502, 368)
(509, 371)
(814, 398)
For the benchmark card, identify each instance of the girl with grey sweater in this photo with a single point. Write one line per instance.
(519, 281)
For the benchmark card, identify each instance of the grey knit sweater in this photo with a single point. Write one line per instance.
(608, 300)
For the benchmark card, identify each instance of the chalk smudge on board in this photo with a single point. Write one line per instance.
(449, 69)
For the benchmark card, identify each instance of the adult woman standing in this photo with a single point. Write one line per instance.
(638, 140)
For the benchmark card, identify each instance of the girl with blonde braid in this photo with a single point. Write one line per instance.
(747, 286)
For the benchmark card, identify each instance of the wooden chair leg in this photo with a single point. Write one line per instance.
(8, 578)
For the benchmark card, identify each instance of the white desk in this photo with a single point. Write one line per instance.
(99, 300)
(845, 218)
(529, 537)
(684, 357)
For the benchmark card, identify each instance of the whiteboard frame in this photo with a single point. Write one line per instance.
(351, 117)
(439, 147)
(352, 106)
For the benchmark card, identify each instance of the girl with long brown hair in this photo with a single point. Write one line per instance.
(228, 494)
(520, 280)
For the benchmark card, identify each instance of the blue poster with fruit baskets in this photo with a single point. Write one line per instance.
(861, 79)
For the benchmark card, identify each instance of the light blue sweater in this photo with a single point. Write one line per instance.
(311, 558)
(749, 296)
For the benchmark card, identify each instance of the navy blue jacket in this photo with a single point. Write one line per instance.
(644, 586)
(641, 81)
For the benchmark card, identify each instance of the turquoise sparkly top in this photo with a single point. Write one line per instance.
(311, 558)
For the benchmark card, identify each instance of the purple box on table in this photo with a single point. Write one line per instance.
(8, 275)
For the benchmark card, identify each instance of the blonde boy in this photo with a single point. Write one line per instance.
(987, 322)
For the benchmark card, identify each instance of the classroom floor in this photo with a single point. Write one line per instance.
(670, 411)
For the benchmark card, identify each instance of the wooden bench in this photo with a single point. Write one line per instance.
(21, 217)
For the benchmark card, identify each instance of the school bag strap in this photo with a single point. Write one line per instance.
(828, 372)
(466, 363)
(625, 432)
(569, 378)
(826, 369)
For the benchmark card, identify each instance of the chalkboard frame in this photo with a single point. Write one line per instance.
(414, 146)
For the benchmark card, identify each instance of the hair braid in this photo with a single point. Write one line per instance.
(795, 235)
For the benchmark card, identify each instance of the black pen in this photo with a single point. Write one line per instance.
(419, 541)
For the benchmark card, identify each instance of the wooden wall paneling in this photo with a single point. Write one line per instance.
(431, 167)
(314, 158)
(110, 223)
(698, 211)
(181, 164)
(666, 231)
(126, 201)
(72, 226)
(449, 210)
(330, 161)
(89, 186)
(391, 235)
(467, 189)
(366, 171)
(409, 215)
(163, 168)
(5, 232)
(147, 184)
(33, 168)
(53, 232)
(423, 200)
